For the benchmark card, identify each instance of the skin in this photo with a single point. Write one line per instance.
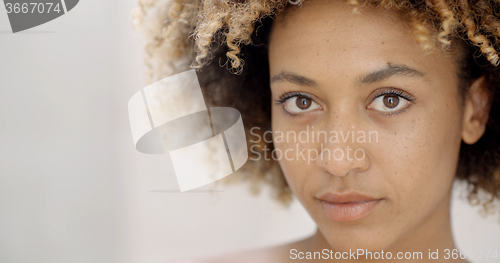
(412, 165)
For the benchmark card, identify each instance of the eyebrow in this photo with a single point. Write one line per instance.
(376, 76)
(294, 78)
(389, 71)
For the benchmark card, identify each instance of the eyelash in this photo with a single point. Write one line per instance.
(392, 91)
(397, 92)
(288, 95)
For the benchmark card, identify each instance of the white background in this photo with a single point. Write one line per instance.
(72, 186)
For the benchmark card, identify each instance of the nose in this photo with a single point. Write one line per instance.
(345, 154)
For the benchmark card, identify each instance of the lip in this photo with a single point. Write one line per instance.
(349, 206)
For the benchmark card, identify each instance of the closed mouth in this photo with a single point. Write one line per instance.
(348, 207)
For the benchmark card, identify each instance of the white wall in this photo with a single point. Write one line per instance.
(72, 187)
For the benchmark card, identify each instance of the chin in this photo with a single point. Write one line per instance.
(349, 239)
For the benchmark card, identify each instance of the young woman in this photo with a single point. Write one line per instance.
(374, 107)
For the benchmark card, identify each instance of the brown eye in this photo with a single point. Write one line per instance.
(303, 103)
(300, 104)
(391, 101)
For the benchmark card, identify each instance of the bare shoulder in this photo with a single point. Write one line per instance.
(273, 254)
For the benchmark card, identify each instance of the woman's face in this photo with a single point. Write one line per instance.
(380, 121)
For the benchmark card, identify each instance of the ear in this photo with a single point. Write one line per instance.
(476, 111)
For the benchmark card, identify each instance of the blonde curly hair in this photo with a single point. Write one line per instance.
(184, 34)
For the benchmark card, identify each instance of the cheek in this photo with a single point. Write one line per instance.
(297, 171)
(279, 124)
(419, 162)
(296, 158)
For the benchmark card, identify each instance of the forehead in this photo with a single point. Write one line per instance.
(324, 17)
(335, 39)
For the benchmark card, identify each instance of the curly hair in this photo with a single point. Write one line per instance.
(184, 34)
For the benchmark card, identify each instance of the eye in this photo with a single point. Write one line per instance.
(297, 104)
(390, 102)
